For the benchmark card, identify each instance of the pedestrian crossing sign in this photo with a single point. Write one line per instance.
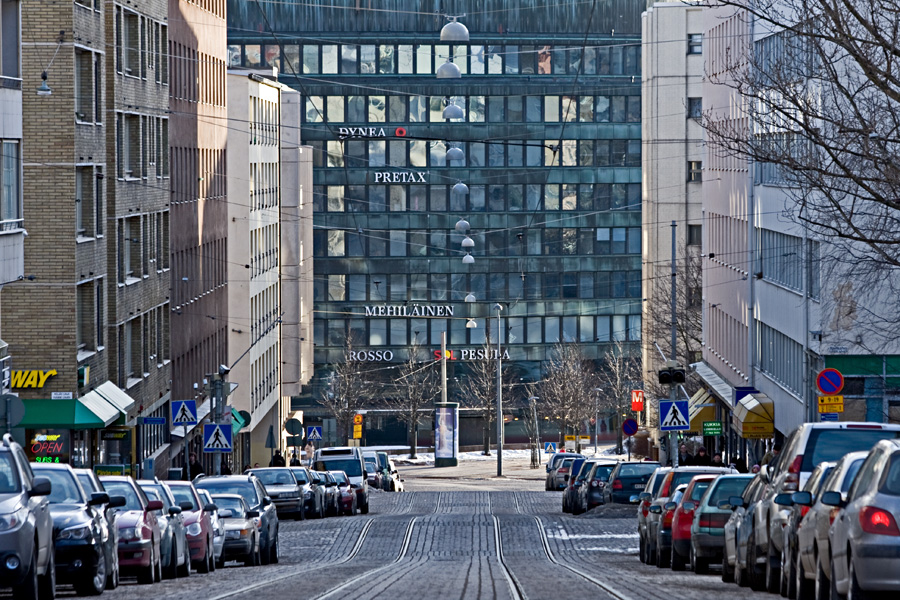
(549, 447)
(314, 434)
(673, 415)
(216, 438)
(184, 412)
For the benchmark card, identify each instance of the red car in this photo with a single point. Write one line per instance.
(683, 519)
(139, 534)
(347, 495)
(197, 525)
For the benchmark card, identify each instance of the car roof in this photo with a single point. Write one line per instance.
(231, 496)
(124, 478)
(51, 466)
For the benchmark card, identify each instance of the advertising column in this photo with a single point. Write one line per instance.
(446, 434)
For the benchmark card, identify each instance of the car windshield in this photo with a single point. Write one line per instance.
(234, 504)
(120, 488)
(679, 477)
(637, 470)
(240, 487)
(158, 494)
(349, 466)
(275, 476)
(371, 467)
(9, 478)
(86, 482)
(892, 481)
(183, 493)
(340, 477)
(578, 468)
(64, 488)
(825, 445)
(726, 488)
(300, 475)
(602, 473)
(699, 489)
(850, 475)
(657, 483)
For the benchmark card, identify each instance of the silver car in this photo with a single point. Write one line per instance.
(218, 527)
(173, 546)
(865, 538)
(284, 490)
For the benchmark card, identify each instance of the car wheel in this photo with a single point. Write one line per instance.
(855, 592)
(773, 570)
(727, 571)
(185, 569)
(171, 570)
(835, 595)
(740, 575)
(95, 584)
(803, 586)
(642, 549)
(677, 561)
(203, 565)
(274, 556)
(28, 589)
(148, 574)
(700, 564)
(265, 551)
(662, 558)
(252, 559)
(211, 551)
(364, 509)
(158, 573)
(788, 575)
(823, 586)
(754, 577)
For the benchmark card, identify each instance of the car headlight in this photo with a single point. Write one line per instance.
(233, 534)
(194, 529)
(307, 494)
(14, 519)
(130, 533)
(79, 532)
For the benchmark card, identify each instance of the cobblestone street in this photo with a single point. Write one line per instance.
(459, 544)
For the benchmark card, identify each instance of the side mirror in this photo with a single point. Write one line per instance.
(365, 474)
(634, 499)
(784, 500)
(645, 497)
(656, 509)
(252, 514)
(802, 498)
(210, 508)
(834, 499)
(40, 487)
(225, 513)
(724, 505)
(174, 510)
(267, 501)
(736, 502)
(155, 505)
(116, 502)
(186, 506)
(689, 506)
(98, 498)
(670, 506)
(394, 472)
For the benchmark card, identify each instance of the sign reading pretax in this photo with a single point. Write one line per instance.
(830, 382)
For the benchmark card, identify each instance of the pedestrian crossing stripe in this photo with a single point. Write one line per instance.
(673, 416)
(216, 438)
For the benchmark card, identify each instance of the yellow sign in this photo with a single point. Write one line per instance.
(571, 438)
(831, 404)
(357, 432)
(357, 419)
(31, 379)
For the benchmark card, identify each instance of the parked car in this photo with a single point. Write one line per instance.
(381, 468)
(91, 484)
(198, 525)
(663, 528)
(350, 461)
(806, 447)
(332, 494)
(590, 495)
(552, 463)
(284, 490)
(627, 479)
(575, 476)
(176, 558)
(253, 492)
(738, 528)
(347, 499)
(643, 500)
(218, 527)
(241, 535)
(373, 473)
(795, 523)
(708, 525)
(393, 483)
(26, 527)
(312, 493)
(865, 538)
(684, 518)
(139, 534)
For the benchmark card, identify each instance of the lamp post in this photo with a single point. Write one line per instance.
(499, 308)
(535, 453)
(596, 418)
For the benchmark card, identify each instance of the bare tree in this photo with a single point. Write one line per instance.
(567, 390)
(621, 373)
(415, 388)
(348, 391)
(480, 391)
(822, 96)
(531, 419)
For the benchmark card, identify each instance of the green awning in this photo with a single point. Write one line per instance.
(77, 413)
(237, 422)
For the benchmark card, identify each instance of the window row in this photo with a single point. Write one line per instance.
(264, 311)
(443, 287)
(265, 119)
(199, 270)
(142, 146)
(143, 342)
(264, 376)
(197, 173)
(780, 357)
(477, 109)
(143, 242)
(515, 331)
(89, 315)
(481, 198)
(88, 86)
(196, 76)
(376, 154)
(783, 261)
(424, 59)
(89, 201)
(10, 185)
(264, 249)
(264, 185)
(141, 46)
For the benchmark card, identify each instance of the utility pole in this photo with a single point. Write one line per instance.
(673, 436)
(498, 308)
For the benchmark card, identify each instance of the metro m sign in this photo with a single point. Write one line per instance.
(637, 400)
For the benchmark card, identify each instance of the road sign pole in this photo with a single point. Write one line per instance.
(673, 436)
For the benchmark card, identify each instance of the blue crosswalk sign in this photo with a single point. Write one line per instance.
(314, 434)
(549, 447)
(184, 412)
(216, 438)
(674, 416)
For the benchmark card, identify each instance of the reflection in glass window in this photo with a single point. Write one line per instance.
(329, 58)
(377, 153)
(590, 61)
(533, 109)
(476, 154)
(398, 200)
(634, 327)
(398, 332)
(376, 109)
(234, 55)
(569, 196)
(385, 59)
(436, 109)
(534, 332)
(551, 329)
(586, 109)
(618, 240)
(552, 153)
(615, 60)
(601, 109)
(377, 332)
(569, 153)
(461, 58)
(515, 153)
(569, 108)
(551, 197)
(478, 59)
(586, 153)
(496, 109)
(603, 61)
(405, 59)
(476, 198)
(377, 195)
(336, 332)
(438, 326)
(527, 60)
(438, 154)
(619, 328)
(437, 242)
(377, 241)
(603, 329)
(355, 244)
(349, 55)
(423, 59)
(311, 59)
(496, 201)
(419, 286)
(398, 243)
(418, 244)
(441, 54)
(356, 198)
(438, 198)
(356, 109)
(337, 288)
(335, 198)
(476, 109)
(495, 60)
(355, 153)
(512, 60)
(335, 105)
(335, 153)
(437, 286)
(398, 287)
(397, 109)
(544, 62)
(335, 243)
(496, 155)
(417, 197)
(418, 109)
(585, 286)
(417, 153)
(292, 59)
(569, 241)
(253, 55)
(551, 109)
(273, 56)
(367, 59)
(617, 109)
(356, 288)
(314, 109)
(398, 153)
(585, 329)
(633, 109)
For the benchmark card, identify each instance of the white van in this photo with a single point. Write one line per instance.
(349, 460)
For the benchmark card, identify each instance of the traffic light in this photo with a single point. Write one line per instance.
(671, 376)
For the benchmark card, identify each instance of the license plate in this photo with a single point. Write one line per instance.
(639, 486)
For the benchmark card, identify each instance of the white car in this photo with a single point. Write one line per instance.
(218, 527)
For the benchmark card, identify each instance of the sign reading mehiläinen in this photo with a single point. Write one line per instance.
(402, 310)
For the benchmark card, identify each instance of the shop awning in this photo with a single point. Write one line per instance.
(79, 413)
(701, 408)
(237, 421)
(754, 417)
(714, 383)
(112, 394)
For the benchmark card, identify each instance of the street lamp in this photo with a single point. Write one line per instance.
(499, 308)
(596, 418)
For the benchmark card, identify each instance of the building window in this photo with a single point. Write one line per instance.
(128, 48)
(128, 140)
(695, 43)
(98, 200)
(10, 187)
(84, 87)
(84, 201)
(84, 315)
(695, 170)
(694, 235)
(162, 57)
(10, 40)
(780, 357)
(99, 303)
(781, 259)
(695, 108)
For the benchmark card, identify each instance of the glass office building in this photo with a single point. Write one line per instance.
(551, 155)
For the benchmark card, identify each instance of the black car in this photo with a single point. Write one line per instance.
(91, 483)
(251, 490)
(83, 542)
(628, 479)
(590, 494)
(313, 493)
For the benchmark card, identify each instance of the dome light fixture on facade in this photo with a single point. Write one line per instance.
(454, 31)
(471, 324)
(460, 188)
(468, 242)
(448, 70)
(454, 153)
(462, 226)
(470, 297)
(452, 111)
(468, 259)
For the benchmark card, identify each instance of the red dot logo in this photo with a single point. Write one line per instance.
(400, 132)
